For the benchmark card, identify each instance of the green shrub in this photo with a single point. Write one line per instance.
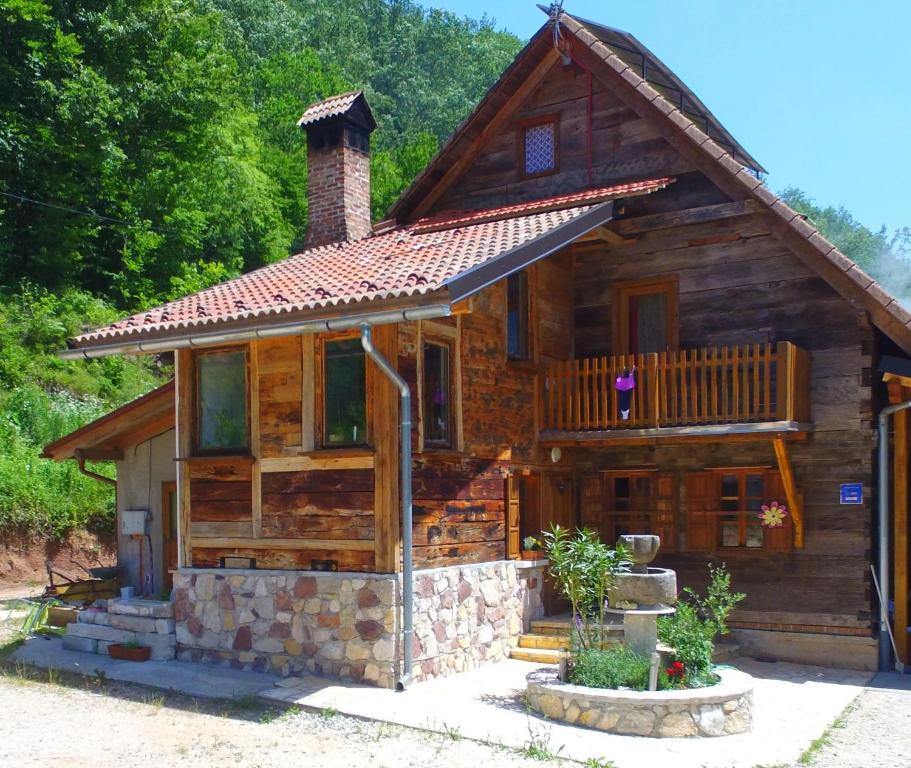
(692, 630)
(584, 568)
(610, 668)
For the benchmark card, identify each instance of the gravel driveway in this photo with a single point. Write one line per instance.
(99, 724)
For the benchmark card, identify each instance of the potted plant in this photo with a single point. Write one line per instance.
(531, 548)
(130, 651)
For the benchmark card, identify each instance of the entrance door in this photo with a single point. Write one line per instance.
(557, 508)
(169, 530)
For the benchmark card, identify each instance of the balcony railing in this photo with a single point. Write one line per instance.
(715, 385)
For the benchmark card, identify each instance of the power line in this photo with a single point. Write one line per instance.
(68, 209)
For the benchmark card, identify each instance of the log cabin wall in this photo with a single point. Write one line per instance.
(739, 285)
(288, 504)
(459, 494)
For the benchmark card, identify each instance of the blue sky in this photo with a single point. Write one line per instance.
(818, 91)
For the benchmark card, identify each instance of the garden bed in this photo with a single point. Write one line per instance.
(719, 710)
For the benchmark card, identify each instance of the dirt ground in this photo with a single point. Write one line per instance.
(875, 732)
(22, 560)
(91, 724)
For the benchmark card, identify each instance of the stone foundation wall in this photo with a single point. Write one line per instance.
(348, 625)
(288, 622)
(467, 615)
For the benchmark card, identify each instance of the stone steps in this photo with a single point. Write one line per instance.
(550, 642)
(562, 627)
(537, 655)
(146, 622)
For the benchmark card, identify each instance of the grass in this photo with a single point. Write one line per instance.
(595, 762)
(809, 755)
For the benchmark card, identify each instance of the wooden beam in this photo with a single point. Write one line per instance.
(306, 463)
(308, 393)
(685, 216)
(384, 412)
(183, 372)
(491, 129)
(223, 542)
(255, 445)
(900, 526)
(790, 489)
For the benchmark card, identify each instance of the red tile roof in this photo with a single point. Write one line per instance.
(331, 107)
(407, 261)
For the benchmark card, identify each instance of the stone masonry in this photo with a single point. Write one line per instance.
(348, 625)
(146, 622)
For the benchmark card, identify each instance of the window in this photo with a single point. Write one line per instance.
(723, 506)
(638, 502)
(645, 317)
(517, 346)
(540, 148)
(741, 496)
(221, 388)
(344, 393)
(437, 399)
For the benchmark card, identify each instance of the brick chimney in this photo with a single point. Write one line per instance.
(338, 168)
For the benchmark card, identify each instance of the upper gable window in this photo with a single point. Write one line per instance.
(539, 146)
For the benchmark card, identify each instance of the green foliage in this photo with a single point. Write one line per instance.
(617, 667)
(886, 257)
(584, 569)
(692, 630)
(43, 397)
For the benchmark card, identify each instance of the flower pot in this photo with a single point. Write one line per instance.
(129, 653)
(530, 554)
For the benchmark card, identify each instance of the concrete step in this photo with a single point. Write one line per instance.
(138, 606)
(550, 642)
(537, 655)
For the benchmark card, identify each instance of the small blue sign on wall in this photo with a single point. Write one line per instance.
(851, 493)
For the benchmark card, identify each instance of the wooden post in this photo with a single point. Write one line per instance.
(900, 527)
(384, 410)
(784, 394)
(185, 373)
(654, 415)
(790, 489)
(256, 476)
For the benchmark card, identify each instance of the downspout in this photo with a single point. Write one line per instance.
(885, 647)
(94, 475)
(405, 457)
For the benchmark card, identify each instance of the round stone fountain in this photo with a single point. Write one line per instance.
(640, 596)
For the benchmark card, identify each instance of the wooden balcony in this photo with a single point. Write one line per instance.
(693, 392)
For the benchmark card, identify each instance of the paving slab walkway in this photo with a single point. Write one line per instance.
(794, 704)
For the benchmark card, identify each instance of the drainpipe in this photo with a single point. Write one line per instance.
(405, 458)
(94, 475)
(885, 650)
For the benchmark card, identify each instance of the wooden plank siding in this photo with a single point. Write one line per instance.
(739, 286)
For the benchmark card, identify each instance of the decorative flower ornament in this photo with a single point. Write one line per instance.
(773, 515)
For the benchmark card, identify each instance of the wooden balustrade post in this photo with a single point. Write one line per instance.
(654, 415)
(784, 385)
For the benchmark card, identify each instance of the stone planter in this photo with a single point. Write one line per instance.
(129, 653)
(721, 710)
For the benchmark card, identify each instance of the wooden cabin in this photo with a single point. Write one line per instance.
(590, 221)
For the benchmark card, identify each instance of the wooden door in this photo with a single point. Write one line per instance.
(557, 508)
(169, 531)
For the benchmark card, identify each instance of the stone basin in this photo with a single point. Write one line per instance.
(655, 587)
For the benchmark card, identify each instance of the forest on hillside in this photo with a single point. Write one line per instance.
(149, 148)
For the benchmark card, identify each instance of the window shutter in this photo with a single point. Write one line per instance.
(512, 517)
(593, 503)
(700, 500)
(777, 539)
(665, 504)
